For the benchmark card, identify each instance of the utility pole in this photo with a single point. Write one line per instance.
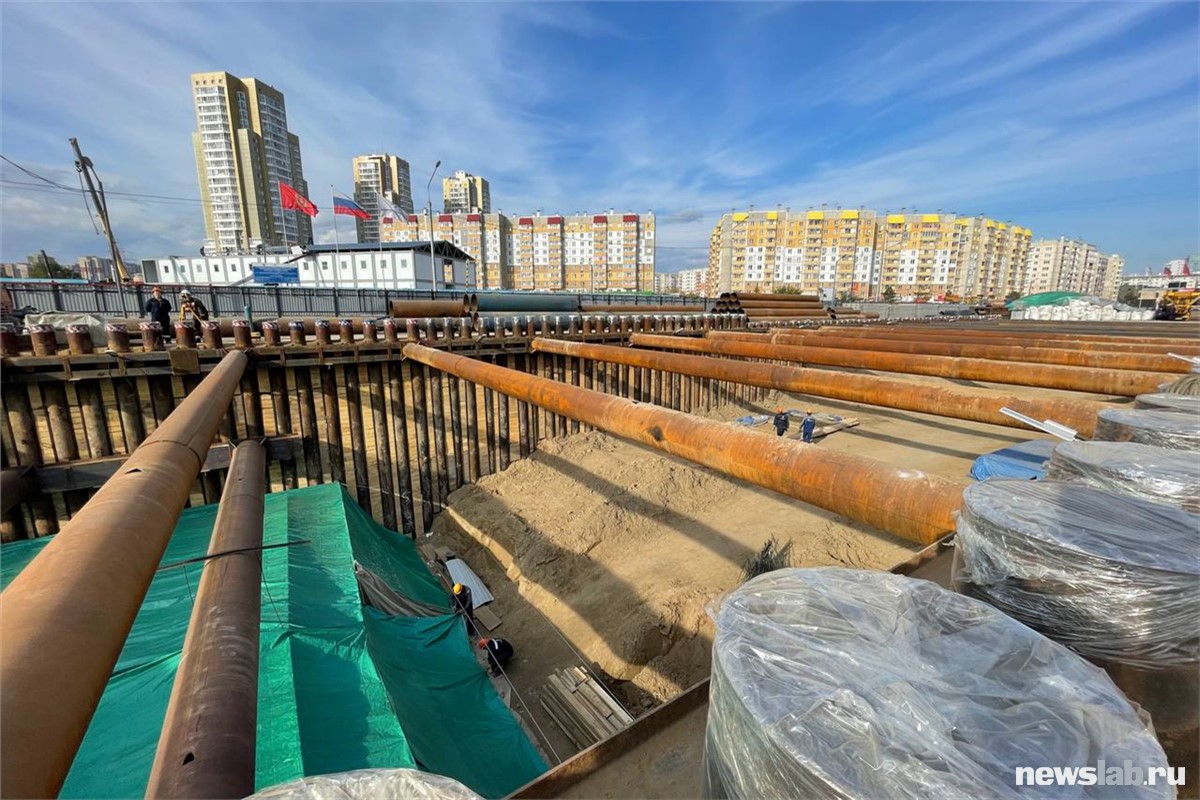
(84, 166)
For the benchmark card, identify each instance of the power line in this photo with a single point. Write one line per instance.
(33, 174)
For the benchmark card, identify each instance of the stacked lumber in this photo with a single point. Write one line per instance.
(582, 707)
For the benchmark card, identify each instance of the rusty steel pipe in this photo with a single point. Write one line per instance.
(66, 616)
(152, 336)
(1028, 355)
(208, 738)
(270, 333)
(462, 307)
(242, 336)
(79, 340)
(118, 336)
(976, 405)
(1048, 376)
(936, 333)
(978, 331)
(210, 334)
(908, 503)
(44, 340)
(931, 334)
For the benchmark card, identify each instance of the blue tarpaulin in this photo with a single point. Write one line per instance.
(1026, 460)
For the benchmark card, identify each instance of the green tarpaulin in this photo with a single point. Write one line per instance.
(330, 672)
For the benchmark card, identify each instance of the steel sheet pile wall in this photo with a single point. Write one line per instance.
(400, 436)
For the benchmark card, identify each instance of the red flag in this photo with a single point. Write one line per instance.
(1186, 271)
(290, 198)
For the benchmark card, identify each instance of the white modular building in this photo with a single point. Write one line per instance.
(390, 265)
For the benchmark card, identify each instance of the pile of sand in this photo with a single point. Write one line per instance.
(622, 548)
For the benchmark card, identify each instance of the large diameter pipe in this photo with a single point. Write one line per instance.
(906, 502)
(934, 334)
(1077, 379)
(66, 616)
(743, 297)
(522, 302)
(432, 308)
(16, 484)
(1027, 355)
(208, 738)
(633, 308)
(1075, 341)
(976, 405)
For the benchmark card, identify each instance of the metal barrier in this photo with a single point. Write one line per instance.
(272, 301)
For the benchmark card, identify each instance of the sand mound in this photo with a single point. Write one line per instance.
(623, 547)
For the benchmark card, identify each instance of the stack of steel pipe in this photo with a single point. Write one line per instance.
(977, 334)
(1031, 355)
(977, 405)
(1128, 383)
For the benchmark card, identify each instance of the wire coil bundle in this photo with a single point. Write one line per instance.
(1152, 473)
(847, 683)
(1159, 428)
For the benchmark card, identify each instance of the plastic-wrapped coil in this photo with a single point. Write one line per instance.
(1168, 401)
(369, 784)
(1153, 473)
(846, 683)
(1158, 428)
(1188, 384)
(1113, 577)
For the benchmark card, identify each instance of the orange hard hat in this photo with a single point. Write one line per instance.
(482, 643)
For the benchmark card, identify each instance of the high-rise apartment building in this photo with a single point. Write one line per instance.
(243, 150)
(859, 253)
(96, 268)
(666, 283)
(580, 253)
(379, 177)
(1068, 265)
(693, 281)
(466, 193)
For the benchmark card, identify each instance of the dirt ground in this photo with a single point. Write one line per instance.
(619, 549)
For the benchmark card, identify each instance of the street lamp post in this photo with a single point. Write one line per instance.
(429, 202)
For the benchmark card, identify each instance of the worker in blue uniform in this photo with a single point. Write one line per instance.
(807, 426)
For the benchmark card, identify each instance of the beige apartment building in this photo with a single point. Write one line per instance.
(243, 150)
(860, 253)
(380, 178)
(484, 236)
(465, 193)
(576, 253)
(1068, 265)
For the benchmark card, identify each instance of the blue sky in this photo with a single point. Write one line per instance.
(1076, 119)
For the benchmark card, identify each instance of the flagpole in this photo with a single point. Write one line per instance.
(337, 248)
(282, 218)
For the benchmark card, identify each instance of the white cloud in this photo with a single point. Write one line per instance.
(985, 108)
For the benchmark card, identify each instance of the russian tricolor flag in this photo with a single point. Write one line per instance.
(344, 205)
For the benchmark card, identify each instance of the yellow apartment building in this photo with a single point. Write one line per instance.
(243, 149)
(860, 253)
